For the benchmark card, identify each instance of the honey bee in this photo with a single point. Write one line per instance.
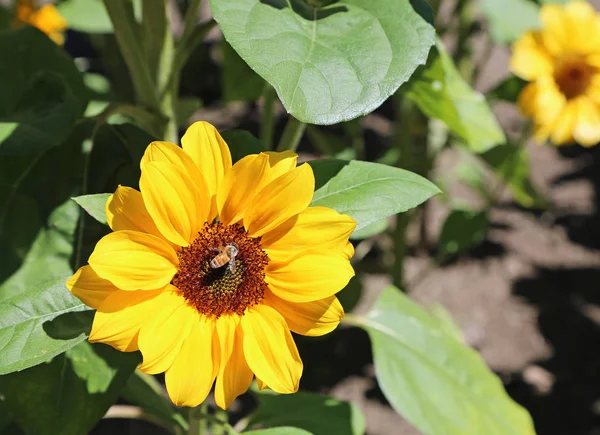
(226, 255)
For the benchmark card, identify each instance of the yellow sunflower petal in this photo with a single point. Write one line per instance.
(125, 210)
(530, 58)
(318, 229)
(168, 152)
(556, 29)
(211, 154)
(587, 128)
(177, 205)
(120, 316)
(280, 200)
(134, 261)
(261, 385)
(309, 277)
(313, 319)
(565, 125)
(162, 336)
(349, 251)
(247, 177)
(270, 349)
(89, 287)
(584, 27)
(234, 376)
(190, 377)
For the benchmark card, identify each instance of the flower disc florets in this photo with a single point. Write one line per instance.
(239, 283)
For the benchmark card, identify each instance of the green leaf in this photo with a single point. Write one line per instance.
(439, 385)
(368, 192)
(279, 431)
(50, 254)
(43, 93)
(241, 143)
(144, 390)
(442, 93)
(462, 230)
(370, 230)
(510, 19)
(334, 63)
(94, 205)
(240, 82)
(86, 16)
(39, 324)
(70, 393)
(511, 164)
(320, 415)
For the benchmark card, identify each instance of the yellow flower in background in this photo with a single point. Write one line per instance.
(211, 265)
(46, 18)
(562, 63)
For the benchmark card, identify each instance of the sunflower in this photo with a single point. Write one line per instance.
(562, 63)
(211, 266)
(46, 18)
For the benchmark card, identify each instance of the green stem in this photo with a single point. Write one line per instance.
(127, 35)
(191, 15)
(403, 140)
(267, 119)
(290, 139)
(199, 417)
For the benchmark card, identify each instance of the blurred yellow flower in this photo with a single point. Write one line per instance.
(46, 18)
(211, 265)
(562, 63)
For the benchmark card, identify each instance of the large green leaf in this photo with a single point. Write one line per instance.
(320, 415)
(43, 94)
(50, 254)
(240, 82)
(509, 19)
(334, 63)
(368, 192)
(39, 324)
(441, 92)
(438, 384)
(69, 394)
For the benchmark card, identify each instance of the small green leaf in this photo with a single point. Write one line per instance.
(370, 230)
(94, 205)
(320, 415)
(279, 431)
(507, 90)
(442, 93)
(69, 394)
(39, 324)
(241, 143)
(43, 93)
(368, 192)
(462, 230)
(144, 390)
(511, 18)
(511, 164)
(438, 384)
(334, 63)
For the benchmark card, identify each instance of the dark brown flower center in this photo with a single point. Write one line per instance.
(222, 271)
(573, 76)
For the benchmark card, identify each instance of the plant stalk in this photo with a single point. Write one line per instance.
(128, 38)
(267, 120)
(290, 139)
